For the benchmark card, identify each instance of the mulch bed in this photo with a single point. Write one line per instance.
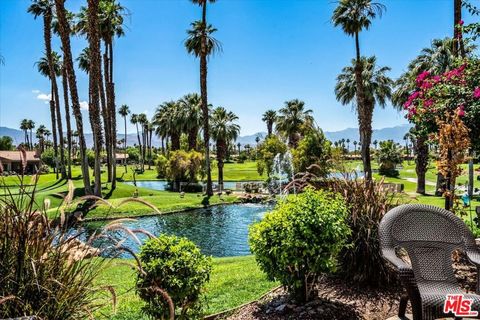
(338, 300)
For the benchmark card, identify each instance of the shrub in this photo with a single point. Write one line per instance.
(314, 148)
(300, 239)
(48, 157)
(161, 166)
(177, 266)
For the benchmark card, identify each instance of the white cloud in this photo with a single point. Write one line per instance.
(84, 105)
(36, 91)
(44, 97)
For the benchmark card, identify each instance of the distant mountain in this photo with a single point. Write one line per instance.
(394, 133)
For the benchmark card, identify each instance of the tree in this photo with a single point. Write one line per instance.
(191, 113)
(45, 8)
(348, 145)
(269, 117)
(313, 149)
(124, 112)
(6, 143)
(202, 44)
(94, 101)
(134, 120)
(224, 130)
(377, 89)
(293, 119)
(143, 121)
(354, 16)
(389, 156)
(40, 135)
(355, 144)
(30, 127)
(168, 119)
(24, 128)
(64, 31)
(267, 150)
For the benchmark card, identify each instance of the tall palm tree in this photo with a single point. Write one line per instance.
(202, 44)
(65, 30)
(377, 88)
(94, 94)
(24, 128)
(134, 120)
(354, 16)
(168, 120)
(40, 134)
(348, 145)
(191, 109)
(143, 121)
(44, 8)
(31, 126)
(124, 111)
(293, 118)
(224, 130)
(269, 117)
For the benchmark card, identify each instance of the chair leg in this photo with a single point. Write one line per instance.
(403, 306)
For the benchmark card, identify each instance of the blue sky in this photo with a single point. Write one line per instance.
(273, 51)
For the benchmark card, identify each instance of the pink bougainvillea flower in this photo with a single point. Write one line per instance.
(422, 76)
(461, 22)
(407, 104)
(426, 85)
(476, 93)
(437, 78)
(428, 103)
(461, 111)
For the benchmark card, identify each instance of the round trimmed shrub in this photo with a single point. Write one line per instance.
(176, 266)
(300, 239)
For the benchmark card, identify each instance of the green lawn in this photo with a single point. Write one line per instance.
(234, 281)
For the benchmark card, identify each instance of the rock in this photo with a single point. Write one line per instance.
(281, 308)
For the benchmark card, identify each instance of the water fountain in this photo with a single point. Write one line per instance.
(282, 172)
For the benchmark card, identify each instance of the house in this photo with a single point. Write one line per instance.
(120, 158)
(12, 161)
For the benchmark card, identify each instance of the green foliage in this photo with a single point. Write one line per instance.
(161, 166)
(184, 166)
(133, 154)
(6, 143)
(300, 239)
(267, 150)
(389, 156)
(48, 157)
(177, 266)
(314, 148)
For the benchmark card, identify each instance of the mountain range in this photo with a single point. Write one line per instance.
(393, 133)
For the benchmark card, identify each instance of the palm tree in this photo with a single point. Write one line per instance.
(168, 119)
(238, 147)
(269, 117)
(134, 120)
(30, 127)
(377, 88)
(64, 31)
(353, 16)
(40, 134)
(45, 8)
(348, 145)
(24, 128)
(191, 109)
(124, 112)
(355, 145)
(202, 44)
(293, 120)
(375, 143)
(143, 121)
(94, 101)
(224, 130)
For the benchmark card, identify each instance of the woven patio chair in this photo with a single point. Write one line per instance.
(429, 235)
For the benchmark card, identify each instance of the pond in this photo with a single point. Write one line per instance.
(163, 184)
(220, 231)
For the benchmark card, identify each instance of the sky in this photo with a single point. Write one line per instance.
(273, 51)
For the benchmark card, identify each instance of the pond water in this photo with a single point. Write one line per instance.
(163, 184)
(220, 231)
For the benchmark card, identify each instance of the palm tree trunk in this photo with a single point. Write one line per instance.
(113, 133)
(139, 143)
(72, 83)
(60, 129)
(204, 95)
(175, 140)
(364, 114)
(192, 138)
(421, 162)
(471, 174)
(67, 119)
(54, 133)
(94, 75)
(457, 34)
(106, 114)
(125, 144)
(221, 146)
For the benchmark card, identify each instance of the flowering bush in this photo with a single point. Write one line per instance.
(455, 91)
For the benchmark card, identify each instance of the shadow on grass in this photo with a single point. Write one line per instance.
(206, 201)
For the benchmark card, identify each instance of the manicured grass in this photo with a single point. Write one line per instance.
(246, 171)
(234, 281)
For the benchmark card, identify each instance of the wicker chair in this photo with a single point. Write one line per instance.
(429, 235)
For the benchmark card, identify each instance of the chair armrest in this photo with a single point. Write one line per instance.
(390, 255)
(474, 258)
